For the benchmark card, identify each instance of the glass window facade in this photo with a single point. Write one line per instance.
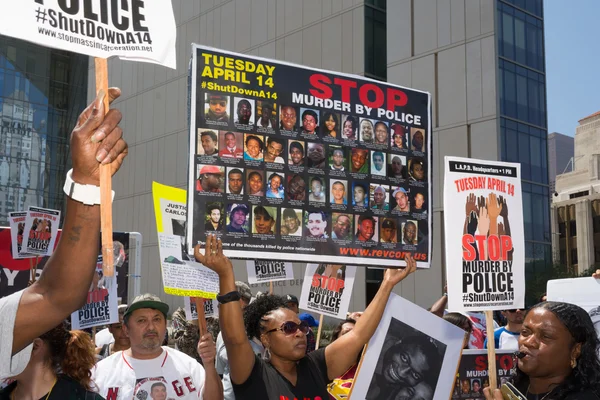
(42, 92)
(376, 39)
(522, 95)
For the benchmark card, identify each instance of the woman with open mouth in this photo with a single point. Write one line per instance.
(558, 355)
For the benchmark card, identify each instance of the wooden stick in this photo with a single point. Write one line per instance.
(491, 349)
(319, 331)
(94, 334)
(108, 268)
(271, 288)
(201, 316)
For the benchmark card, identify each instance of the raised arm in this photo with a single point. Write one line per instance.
(342, 353)
(66, 278)
(439, 306)
(239, 351)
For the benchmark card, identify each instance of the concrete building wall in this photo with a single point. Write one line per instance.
(560, 151)
(446, 47)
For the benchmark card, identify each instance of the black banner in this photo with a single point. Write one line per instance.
(472, 375)
(288, 162)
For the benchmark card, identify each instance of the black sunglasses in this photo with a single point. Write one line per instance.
(290, 327)
(516, 309)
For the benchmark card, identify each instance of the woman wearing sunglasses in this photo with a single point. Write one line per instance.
(284, 370)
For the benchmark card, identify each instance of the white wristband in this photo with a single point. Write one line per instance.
(86, 194)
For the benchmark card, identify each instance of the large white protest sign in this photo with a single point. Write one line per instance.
(408, 332)
(584, 292)
(269, 271)
(41, 231)
(211, 308)
(101, 306)
(17, 228)
(485, 244)
(130, 29)
(327, 289)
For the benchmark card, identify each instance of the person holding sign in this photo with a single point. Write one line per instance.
(558, 357)
(285, 370)
(48, 301)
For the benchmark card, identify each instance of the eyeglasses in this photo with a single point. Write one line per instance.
(290, 327)
(514, 310)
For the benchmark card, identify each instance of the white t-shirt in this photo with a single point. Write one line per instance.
(11, 366)
(120, 377)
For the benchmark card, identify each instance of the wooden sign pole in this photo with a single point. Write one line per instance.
(105, 181)
(491, 350)
(271, 288)
(201, 316)
(319, 331)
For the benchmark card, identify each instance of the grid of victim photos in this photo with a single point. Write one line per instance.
(285, 171)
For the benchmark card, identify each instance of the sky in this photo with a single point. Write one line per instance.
(572, 36)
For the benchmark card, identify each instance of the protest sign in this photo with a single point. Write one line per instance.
(269, 271)
(14, 273)
(408, 332)
(288, 162)
(101, 306)
(130, 29)
(17, 228)
(181, 276)
(472, 374)
(485, 244)
(327, 289)
(211, 308)
(584, 292)
(41, 231)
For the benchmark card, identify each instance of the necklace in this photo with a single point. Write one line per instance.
(537, 396)
(12, 395)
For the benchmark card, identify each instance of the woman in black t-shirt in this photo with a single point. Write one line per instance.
(558, 355)
(285, 370)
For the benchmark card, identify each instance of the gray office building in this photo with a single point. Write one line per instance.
(482, 60)
(560, 157)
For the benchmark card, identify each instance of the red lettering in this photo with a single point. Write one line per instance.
(188, 383)
(321, 89)
(468, 249)
(506, 362)
(363, 95)
(494, 248)
(505, 245)
(396, 98)
(316, 280)
(178, 388)
(113, 393)
(481, 246)
(480, 363)
(345, 86)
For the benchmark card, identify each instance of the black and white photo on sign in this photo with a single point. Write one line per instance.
(327, 289)
(412, 355)
(269, 271)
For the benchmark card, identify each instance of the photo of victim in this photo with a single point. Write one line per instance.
(409, 365)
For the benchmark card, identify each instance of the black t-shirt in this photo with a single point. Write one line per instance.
(265, 383)
(65, 388)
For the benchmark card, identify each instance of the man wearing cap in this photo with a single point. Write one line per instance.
(222, 364)
(120, 341)
(131, 374)
(237, 219)
(217, 108)
(311, 340)
(209, 179)
(388, 231)
(402, 203)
